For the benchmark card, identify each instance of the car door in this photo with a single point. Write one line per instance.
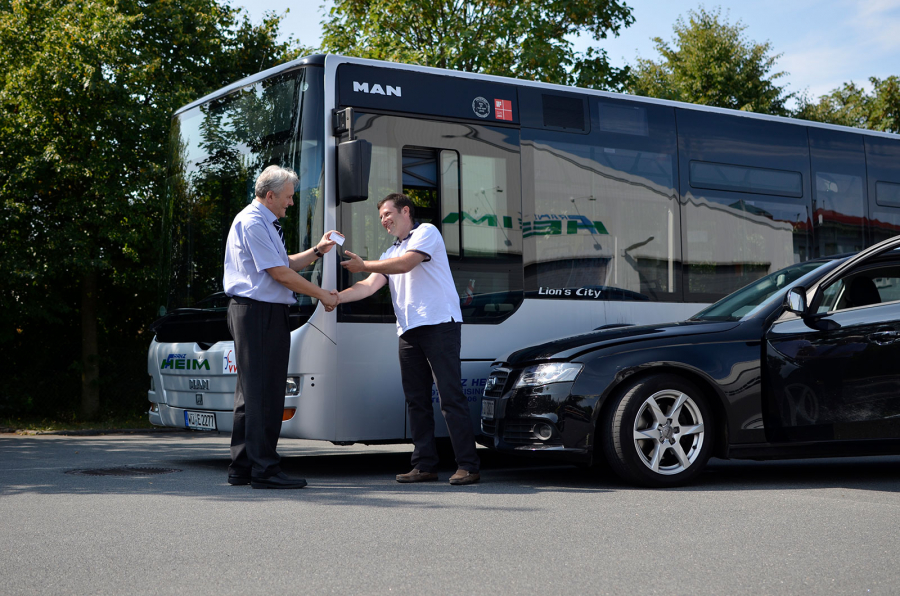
(835, 375)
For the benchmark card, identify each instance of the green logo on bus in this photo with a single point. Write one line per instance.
(182, 362)
(542, 225)
(490, 219)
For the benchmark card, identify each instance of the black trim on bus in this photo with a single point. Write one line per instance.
(386, 88)
(209, 326)
(431, 117)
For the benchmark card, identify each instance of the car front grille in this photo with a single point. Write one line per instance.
(519, 432)
(500, 376)
(489, 427)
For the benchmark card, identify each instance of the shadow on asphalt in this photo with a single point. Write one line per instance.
(367, 479)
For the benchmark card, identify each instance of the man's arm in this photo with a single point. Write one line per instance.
(397, 265)
(359, 290)
(302, 260)
(363, 289)
(296, 283)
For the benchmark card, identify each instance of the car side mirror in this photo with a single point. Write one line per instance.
(795, 301)
(354, 159)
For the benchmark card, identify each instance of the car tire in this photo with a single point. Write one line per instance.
(657, 431)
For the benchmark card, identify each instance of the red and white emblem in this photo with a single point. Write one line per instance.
(503, 109)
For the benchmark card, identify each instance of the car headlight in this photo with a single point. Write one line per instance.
(544, 374)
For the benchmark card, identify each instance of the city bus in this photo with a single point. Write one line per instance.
(563, 210)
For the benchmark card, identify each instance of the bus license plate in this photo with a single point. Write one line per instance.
(487, 408)
(200, 420)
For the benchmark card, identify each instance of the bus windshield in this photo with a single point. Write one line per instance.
(217, 150)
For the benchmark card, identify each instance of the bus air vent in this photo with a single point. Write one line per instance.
(563, 112)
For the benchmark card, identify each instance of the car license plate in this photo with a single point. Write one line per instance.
(487, 408)
(200, 420)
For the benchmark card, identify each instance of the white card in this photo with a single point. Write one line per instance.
(337, 238)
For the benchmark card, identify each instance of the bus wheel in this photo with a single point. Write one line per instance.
(658, 431)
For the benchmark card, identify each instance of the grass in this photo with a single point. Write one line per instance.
(109, 421)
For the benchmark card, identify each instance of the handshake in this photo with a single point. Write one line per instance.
(334, 298)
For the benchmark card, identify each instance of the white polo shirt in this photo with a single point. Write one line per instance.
(426, 295)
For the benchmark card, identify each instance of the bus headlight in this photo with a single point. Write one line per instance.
(292, 387)
(545, 374)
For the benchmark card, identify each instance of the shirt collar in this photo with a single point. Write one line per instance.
(398, 241)
(264, 211)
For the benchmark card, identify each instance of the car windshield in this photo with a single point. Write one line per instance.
(749, 299)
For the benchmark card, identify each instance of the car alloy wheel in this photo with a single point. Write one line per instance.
(668, 432)
(657, 431)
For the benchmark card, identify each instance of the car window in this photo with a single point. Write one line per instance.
(889, 286)
(873, 285)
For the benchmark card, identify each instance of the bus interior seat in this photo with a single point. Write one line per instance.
(862, 292)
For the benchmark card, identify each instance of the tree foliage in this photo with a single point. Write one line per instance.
(87, 91)
(852, 105)
(518, 38)
(711, 62)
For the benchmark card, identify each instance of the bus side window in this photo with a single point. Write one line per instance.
(746, 200)
(839, 173)
(601, 218)
(882, 157)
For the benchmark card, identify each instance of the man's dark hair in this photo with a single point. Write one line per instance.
(400, 201)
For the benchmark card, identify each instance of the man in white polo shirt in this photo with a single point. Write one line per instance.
(428, 322)
(261, 278)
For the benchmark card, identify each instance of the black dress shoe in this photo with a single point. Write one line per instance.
(279, 480)
(238, 480)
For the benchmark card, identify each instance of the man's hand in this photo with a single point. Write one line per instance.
(326, 244)
(355, 264)
(331, 300)
(337, 297)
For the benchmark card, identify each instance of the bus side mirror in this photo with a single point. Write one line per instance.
(795, 301)
(354, 159)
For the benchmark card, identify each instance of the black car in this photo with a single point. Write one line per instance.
(803, 362)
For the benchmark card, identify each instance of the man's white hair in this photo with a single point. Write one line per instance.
(274, 178)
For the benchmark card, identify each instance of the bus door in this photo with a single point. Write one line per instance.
(463, 178)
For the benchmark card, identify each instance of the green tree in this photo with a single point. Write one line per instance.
(711, 62)
(517, 38)
(852, 105)
(87, 91)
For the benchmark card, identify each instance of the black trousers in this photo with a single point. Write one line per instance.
(427, 353)
(262, 344)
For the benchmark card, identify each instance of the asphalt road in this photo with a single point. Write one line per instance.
(797, 527)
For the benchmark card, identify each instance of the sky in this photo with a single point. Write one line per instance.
(824, 43)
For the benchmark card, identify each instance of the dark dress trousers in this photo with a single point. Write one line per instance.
(262, 344)
(431, 353)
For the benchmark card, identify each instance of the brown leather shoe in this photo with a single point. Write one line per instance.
(465, 477)
(416, 475)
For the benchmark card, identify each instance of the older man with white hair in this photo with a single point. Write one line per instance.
(261, 278)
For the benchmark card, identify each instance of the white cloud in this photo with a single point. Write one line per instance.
(877, 24)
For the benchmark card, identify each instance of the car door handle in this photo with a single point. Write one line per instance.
(883, 338)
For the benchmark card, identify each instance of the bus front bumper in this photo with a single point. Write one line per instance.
(165, 415)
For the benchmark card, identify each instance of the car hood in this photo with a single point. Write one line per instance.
(568, 347)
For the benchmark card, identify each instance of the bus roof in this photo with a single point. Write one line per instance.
(334, 59)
